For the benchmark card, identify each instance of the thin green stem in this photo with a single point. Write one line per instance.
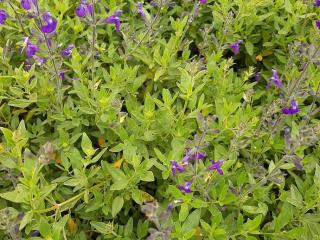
(94, 38)
(18, 18)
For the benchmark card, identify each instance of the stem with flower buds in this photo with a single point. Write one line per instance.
(59, 82)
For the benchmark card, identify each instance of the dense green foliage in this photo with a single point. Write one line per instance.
(88, 156)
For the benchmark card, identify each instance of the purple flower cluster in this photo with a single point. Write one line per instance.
(114, 19)
(216, 166)
(186, 187)
(293, 109)
(84, 9)
(192, 155)
(3, 16)
(67, 51)
(274, 79)
(140, 10)
(31, 48)
(316, 3)
(235, 47)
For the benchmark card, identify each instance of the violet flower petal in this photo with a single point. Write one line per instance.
(3, 16)
(51, 24)
(26, 4)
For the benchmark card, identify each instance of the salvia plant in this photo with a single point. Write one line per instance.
(162, 119)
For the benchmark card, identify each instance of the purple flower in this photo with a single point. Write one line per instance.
(274, 79)
(257, 76)
(298, 164)
(186, 187)
(140, 10)
(26, 4)
(61, 75)
(3, 16)
(31, 48)
(114, 19)
(203, 1)
(316, 3)
(40, 61)
(191, 155)
(175, 167)
(170, 207)
(90, 9)
(51, 23)
(35, 233)
(67, 51)
(216, 166)
(318, 24)
(293, 109)
(28, 64)
(235, 47)
(83, 9)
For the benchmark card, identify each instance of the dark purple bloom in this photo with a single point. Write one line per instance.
(35, 233)
(114, 19)
(67, 51)
(3, 16)
(51, 23)
(28, 64)
(170, 207)
(26, 4)
(84, 9)
(61, 75)
(293, 109)
(140, 10)
(275, 79)
(235, 47)
(81, 10)
(186, 187)
(216, 166)
(316, 3)
(286, 130)
(191, 155)
(318, 24)
(203, 1)
(175, 167)
(298, 164)
(90, 9)
(257, 76)
(31, 49)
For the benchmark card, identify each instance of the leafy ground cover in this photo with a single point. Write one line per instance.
(159, 119)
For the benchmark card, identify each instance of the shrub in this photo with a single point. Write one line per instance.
(159, 120)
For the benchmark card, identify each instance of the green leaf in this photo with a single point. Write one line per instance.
(98, 156)
(117, 204)
(102, 227)
(295, 197)
(184, 212)
(252, 225)
(44, 227)
(25, 220)
(192, 221)
(17, 196)
(128, 228)
(119, 185)
(284, 217)
(249, 47)
(86, 145)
